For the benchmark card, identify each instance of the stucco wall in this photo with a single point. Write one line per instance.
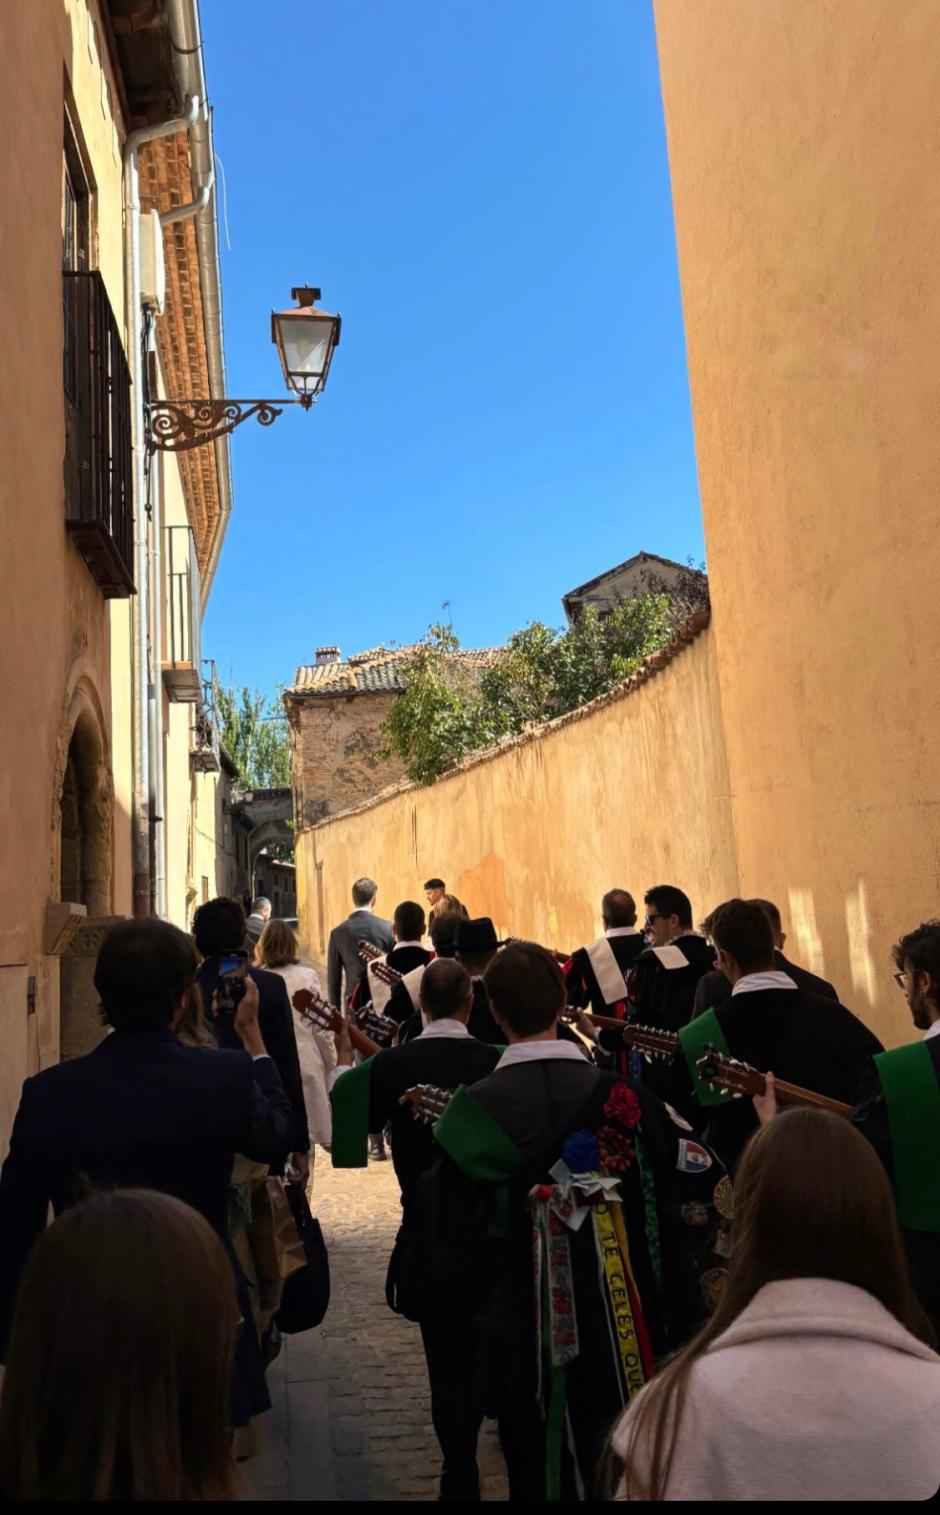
(631, 794)
(55, 627)
(334, 752)
(805, 168)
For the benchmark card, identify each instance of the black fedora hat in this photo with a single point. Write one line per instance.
(476, 936)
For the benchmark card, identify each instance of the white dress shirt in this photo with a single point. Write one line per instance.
(772, 979)
(622, 931)
(933, 1030)
(444, 1027)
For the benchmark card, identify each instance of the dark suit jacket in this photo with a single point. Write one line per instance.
(800, 1038)
(714, 989)
(343, 952)
(140, 1111)
(445, 1061)
(581, 980)
(276, 1019)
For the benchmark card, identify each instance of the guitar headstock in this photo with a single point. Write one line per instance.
(651, 1040)
(316, 1011)
(426, 1101)
(726, 1075)
(381, 1028)
(384, 972)
(368, 951)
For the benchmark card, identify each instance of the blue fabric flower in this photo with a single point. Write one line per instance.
(580, 1152)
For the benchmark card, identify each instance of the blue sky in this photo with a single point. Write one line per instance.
(482, 190)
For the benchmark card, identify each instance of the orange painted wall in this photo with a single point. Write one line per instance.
(805, 163)
(535, 834)
(55, 628)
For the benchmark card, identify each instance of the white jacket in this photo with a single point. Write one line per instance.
(316, 1052)
(815, 1392)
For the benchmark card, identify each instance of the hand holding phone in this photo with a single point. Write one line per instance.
(233, 972)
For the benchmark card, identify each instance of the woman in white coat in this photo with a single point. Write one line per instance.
(279, 950)
(813, 1379)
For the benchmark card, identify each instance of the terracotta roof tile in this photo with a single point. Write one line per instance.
(380, 670)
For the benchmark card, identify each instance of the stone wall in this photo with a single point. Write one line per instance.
(629, 791)
(335, 742)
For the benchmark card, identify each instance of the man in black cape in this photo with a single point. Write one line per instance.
(576, 1221)
(714, 989)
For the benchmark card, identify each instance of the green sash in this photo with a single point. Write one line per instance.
(475, 1141)
(350, 1099)
(704, 1032)
(912, 1096)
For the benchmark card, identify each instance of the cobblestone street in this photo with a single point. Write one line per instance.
(351, 1417)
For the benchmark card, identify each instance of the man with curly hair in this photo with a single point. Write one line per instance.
(578, 1222)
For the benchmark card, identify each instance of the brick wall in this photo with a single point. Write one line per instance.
(335, 753)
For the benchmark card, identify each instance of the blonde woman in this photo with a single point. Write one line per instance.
(279, 950)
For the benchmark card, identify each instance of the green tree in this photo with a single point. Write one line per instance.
(255, 735)
(448, 710)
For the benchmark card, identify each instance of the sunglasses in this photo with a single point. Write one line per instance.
(651, 918)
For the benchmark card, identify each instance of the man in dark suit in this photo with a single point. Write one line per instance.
(595, 975)
(771, 1024)
(219, 927)
(144, 1111)
(368, 1098)
(343, 952)
(714, 988)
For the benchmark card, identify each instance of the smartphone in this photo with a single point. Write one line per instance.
(233, 970)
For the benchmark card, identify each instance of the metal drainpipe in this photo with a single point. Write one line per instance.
(142, 840)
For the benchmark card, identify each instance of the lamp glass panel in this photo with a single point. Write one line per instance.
(306, 343)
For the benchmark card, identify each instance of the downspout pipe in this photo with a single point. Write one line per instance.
(186, 36)
(143, 870)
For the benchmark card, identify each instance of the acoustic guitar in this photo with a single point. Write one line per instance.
(323, 1016)
(427, 1102)
(729, 1076)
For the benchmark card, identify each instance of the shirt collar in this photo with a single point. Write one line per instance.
(772, 979)
(622, 931)
(405, 944)
(933, 1030)
(531, 1052)
(444, 1027)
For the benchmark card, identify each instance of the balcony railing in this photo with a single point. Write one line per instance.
(205, 749)
(182, 673)
(98, 472)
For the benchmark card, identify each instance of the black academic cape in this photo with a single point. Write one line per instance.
(870, 1117)
(800, 1038)
(663, 997)
(611, 1310)
(714, 989)
(581, 980)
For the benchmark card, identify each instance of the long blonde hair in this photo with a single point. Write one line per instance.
(277, 947)
(811, 1200)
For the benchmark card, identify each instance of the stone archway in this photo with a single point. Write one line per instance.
(82, 861)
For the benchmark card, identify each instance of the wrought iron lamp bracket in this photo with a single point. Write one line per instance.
(179, 425)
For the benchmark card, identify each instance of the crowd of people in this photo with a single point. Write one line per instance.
(657, 1287)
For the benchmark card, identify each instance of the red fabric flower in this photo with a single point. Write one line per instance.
(617, 1151)
(623, 1106)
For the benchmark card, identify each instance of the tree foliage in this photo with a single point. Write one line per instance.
(254, 733)
(448, 710)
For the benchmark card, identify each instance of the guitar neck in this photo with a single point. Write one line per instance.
(789, 1095)
(363, 1043)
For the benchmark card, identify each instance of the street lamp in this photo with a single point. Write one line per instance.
(305, 339)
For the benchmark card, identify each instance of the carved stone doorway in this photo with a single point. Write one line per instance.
(85, 854)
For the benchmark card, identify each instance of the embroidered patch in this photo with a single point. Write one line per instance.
(713, 1283)
(723, 1198)
(677, 1120)
(692, 1158)
(694, 1213)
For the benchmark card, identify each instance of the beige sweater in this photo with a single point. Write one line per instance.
(815, 1392)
